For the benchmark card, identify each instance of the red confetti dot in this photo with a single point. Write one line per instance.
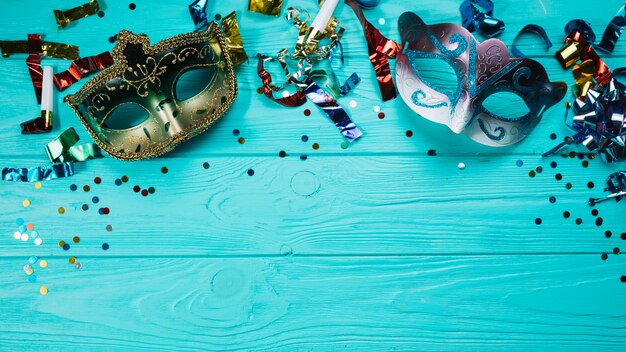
(409, 133)
(307, 112)
(105, 211)
(144, 192)
(381, 115)
(97, 180)
(136, 189)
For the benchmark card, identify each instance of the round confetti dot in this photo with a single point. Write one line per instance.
(552, 136)
(381, 115)
(622, 236)
(622, 278)
(381, 21)
(604, 256)
(566, 214)
(590, 184)
(250, 172)
(538, 221)
(61, 243)
(66, 247)
(304, 138)
(151, 190)
(34, 234)
(118, 182)
(19, 222)
(461, 166)
(136, 189)
(105, 246)
(580, 156)
(241, 140)
(85, 207)
(132, 6)
(30, 227)
(282, 154)
(303, 157)
(22, 228)
(72, 260)
(73, 188)
(43, 263)
(24, 237)
(32, 278)
(539, 169)
(345, 145)
(409, 133)
(608, 234)
(236, 132)
(112, 39)
(315, 146)
(124, 179)
(519, 163)
(109, 228)
(78, 265)
(616, 251)
(431, 152)
(144, 192)
(97, 180)
(32, 259)
(37, 185)
(579, 221)
(75, 239)
(552, 199)
(105, 211)
(218, 17)
(28, 269)
(43, 290)
(38, 241)
(376, 108)
(95, 200)
(26, 203)
(553, 164)
(353, 103)
(568, 186)
(307, 112)
(585, 163)
(61, 210)
(17, 235)
(100, 14)
(532, 173)
(206, 165)
(558, 177)
(572, 154)
(259, 90)
(86, 188)
(285, 94)
(594, 212)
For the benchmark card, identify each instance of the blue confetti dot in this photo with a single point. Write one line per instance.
(73, 187)
(519, 163)
(303, 157)
(118, 182)
(19, 222)
(66, 246)
(22, 228)
(95, 200)
(105, 246)
(305, 138)
(32, 259)
(553, 164)
(553, 136)
(552, 199)
(250, 172)
(32, 278)
(235, 132)
(101, 211)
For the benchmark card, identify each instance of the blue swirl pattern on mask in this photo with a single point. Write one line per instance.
(418, 95)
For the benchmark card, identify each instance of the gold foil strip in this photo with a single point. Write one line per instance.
(584, 71)
(233, 39)
(76, 13)
(50, 49)
(266, 7)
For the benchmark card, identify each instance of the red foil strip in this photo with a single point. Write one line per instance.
(379, 48)
(602, 73)
(33, 61)
(81, 67)
(36, 126)
(296, 99)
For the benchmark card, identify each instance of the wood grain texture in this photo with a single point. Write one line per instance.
(377, 247)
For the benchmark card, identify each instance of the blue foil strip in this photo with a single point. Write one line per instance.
(197, 9)
(38, 173)
(583, 27)
(613, 31)
(335, 112)
(534, 29)
(477, 15)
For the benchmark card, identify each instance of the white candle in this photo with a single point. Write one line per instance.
(46, 89)
(323, 17)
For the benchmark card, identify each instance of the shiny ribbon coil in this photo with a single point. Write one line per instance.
(380, 49)
(42, 124)
(197, 10)
(63, 148)
(266, 7)
(67, 16)
(82, 67)
(616, 185)
(613, 31)
(38, 173)
(477, 15)
(532, 29)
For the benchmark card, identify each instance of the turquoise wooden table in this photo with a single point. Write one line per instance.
(376, 247)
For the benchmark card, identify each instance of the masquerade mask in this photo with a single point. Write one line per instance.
(146, 78)
(482, 69)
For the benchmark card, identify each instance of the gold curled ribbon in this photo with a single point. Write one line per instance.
(233, 39)
(49, 49)
(304, 48)
(266, 7)
(76, 13)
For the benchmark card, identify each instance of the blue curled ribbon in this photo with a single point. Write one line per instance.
(197, 9)
(533, 29)
(610, 36)
(477, 15)
(616, 185)
(38, 173)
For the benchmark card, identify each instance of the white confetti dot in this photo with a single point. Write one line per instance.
(381, 21)
(285, 94)
(353, 103)
(376, 108)
(17, 235)
(37, 241)
(461, 166)
(24, 237)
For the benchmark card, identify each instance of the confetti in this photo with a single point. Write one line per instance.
(43, 290)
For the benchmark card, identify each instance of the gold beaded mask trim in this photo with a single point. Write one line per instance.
(146, 78)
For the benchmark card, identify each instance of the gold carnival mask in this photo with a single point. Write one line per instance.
(146, 78)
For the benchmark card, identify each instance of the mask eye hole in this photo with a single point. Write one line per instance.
(506, 106)
(192, 82)
(436, 73)
(126, 116)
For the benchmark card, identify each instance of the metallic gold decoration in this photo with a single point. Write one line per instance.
(266, 7)
(67, 16)
(233, 39)
(49, 49)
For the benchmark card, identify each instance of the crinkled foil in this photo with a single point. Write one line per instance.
(616, 185)
(39, 173)
(613, 31)
(197, 9)
(266, 7)
(477, 15)
(63, 148)
(233, 39)
(76, 13)
(82, 67)
(532, 29)
(48, 49)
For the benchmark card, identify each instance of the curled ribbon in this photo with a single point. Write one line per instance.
(63, 148)
(616, 185)
(38, 173)
(476, 15)
(533, 29)
(81, 67)
(65, 17)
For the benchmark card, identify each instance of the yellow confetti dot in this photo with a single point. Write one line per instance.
(61, 210)
(43, 290)
(37, 185)
(43, 263)
(72, 260)
(76, 239)
(61, 243)
(26, 202)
